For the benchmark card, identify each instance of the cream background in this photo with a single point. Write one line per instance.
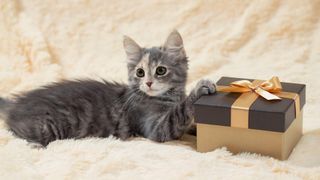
(44, 41)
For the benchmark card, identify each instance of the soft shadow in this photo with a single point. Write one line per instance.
(307, 151)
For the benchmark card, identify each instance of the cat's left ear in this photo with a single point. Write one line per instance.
(174, 44)
(132, 49)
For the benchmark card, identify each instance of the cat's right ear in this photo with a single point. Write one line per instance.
(132, 49)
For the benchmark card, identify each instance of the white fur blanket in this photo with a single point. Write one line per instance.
(44, 41)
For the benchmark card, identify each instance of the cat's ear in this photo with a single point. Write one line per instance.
(132, 49)
(174, 44)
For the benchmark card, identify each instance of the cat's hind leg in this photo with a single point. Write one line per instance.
(34, 130)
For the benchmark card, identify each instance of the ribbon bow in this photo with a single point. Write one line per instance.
(264, 89)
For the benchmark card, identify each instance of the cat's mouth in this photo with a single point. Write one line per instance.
(153, 91)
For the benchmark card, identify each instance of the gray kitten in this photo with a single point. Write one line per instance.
(152, 105)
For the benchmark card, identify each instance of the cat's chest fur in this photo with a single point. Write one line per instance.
(147, 113)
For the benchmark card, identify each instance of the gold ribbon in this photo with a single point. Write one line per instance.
(264, 89)
(270, 90)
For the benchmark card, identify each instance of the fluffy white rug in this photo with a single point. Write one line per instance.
(44, 41)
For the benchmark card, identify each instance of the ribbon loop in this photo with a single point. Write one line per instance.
(264, 89)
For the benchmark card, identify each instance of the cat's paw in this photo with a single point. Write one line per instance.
(205, 87)
(36, 145)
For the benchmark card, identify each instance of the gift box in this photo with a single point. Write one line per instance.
(247, 115)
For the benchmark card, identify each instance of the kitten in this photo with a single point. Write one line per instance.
(153, 105)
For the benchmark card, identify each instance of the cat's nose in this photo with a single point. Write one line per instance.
(149, 83)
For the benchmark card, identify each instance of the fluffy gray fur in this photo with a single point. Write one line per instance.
(88, 108)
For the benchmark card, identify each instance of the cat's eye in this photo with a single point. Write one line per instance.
(140, 72)
(161, 70)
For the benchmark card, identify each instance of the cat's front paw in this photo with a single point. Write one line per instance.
(204, 87)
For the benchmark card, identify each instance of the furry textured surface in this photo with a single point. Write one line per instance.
(44, 42)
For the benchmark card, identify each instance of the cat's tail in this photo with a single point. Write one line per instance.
(5, 105)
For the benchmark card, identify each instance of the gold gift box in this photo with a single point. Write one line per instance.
(271, 128)
(275, 144)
